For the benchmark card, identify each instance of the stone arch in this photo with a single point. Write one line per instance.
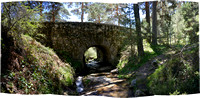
(105, 53)
(76, 37)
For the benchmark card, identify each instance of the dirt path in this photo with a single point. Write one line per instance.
(147, 69)
(150, 66)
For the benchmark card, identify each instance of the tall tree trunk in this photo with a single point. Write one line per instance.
(41, 8)
(130, 32)
(167, 37)
(99, 19)
(53, 20)
(148, 20)
(53, 13)
(154, 24)
(138, 30)
(131, 40)
(170, 37)
(117, 13)
(82, 11)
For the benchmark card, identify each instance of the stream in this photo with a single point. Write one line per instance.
(102, 83)
(106, 82)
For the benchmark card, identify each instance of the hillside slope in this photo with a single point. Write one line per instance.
(35, 69)
(179, 74)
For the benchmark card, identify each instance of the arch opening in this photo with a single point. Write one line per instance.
(95, 59)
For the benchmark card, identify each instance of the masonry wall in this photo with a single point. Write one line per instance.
(76, 38)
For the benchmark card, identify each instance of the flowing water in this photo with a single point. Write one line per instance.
(102, 84)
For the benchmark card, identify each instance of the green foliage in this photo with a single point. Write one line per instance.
(90, 54)
(105, 13)
(64, 71)
(177, 93)
(55, 12)
(144, 30)
(184, 23)
(167, 9)
(67, 76)
(178, 26)
(177, 22)
(159, 49)
(178, 75)
(97, 12)
(122, 63)
(19, 18)
(133, 63)
(80, 9)
(190, 11)
(129, 63)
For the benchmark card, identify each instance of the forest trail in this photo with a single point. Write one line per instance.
(108, 84)
(146, 70)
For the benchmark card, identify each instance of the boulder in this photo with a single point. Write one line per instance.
(114, 71)
(139, 93)
(133, 83)
(79, 84)
(154, 63)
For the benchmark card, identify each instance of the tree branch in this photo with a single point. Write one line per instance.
(17, 21)
(8, 13)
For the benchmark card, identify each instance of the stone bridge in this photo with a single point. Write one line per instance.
(76, 37)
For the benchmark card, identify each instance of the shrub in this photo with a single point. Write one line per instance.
(176, 76)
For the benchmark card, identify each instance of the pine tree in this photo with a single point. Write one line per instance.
(117, 14)
(148, 20)
(55, 11)
(98, 12)
(154, 24)
(178, 26)
(138, 31)
(81, 9)
(190, 14)
(167, 9)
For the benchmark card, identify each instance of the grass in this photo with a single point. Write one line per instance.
(134, 63)
(131, 63)
(179, 75)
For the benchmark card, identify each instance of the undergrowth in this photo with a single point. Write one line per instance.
(129, 63)
(39, 71)
(179, 75)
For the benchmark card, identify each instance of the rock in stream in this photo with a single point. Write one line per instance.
(79, 84)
